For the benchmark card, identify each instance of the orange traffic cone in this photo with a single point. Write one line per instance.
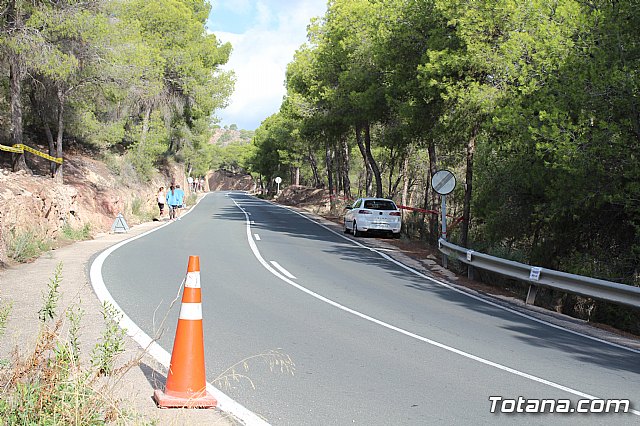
(186, 384)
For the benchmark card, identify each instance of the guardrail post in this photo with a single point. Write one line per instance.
(444, 256)
(531, 294)
(470, 271)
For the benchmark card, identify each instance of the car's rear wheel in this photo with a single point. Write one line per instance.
(356, 233)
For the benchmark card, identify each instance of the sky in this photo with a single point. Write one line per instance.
(265, 35)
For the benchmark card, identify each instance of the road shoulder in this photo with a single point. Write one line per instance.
(25, 285)
(429, 267)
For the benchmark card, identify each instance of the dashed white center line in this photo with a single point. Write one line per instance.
(257, 237)
(281, 269)
(467, 355)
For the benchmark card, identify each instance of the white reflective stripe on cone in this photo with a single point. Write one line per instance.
(193, 280)
(191, 311)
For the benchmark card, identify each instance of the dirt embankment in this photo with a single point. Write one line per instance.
(223, 180)
(91, 194)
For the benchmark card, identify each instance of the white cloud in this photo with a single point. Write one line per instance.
(260, 57)
(236, 6)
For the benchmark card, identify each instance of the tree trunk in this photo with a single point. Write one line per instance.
(61, 100)
(41, 116)
(314, 169)
(372, 161)
(337, 159)
(466, 212)
(433, 219)
(424, 235)
(405, 182)
(14, 21)
(397, 160)
(365, 159)
(392, 167)
(329, 175)
(52, 148)
(345, 167)
(15, 76)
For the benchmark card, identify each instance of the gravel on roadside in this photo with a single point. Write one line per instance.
(25, 285)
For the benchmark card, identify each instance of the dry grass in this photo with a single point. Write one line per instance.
(51, 383)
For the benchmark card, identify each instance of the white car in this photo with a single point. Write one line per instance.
(373, 214)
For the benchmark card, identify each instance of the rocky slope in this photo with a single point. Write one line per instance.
(91, 195)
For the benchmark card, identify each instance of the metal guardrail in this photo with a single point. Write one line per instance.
(536, 276)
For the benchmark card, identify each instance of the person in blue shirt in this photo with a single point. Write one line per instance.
(181, 200)
(173, 201)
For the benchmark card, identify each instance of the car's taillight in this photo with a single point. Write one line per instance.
(364, 212)
(394, 214)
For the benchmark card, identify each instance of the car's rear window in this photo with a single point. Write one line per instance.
(379, 205)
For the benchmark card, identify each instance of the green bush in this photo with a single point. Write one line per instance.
(191, 199)
(139, 210)
(73, 234)
(23, 246)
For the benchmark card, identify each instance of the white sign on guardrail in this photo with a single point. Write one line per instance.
(576, 284)
(534, 275)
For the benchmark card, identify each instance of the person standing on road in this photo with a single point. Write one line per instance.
(162, 199)
(172, 202)
(180, 199)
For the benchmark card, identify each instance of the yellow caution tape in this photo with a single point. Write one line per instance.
(20, 148)
(11, 149)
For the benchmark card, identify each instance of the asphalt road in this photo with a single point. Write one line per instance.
(373, 343)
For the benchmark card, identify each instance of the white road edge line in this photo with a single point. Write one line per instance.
(225, 403)
(284, 271)
(264, 263)
(450, 287)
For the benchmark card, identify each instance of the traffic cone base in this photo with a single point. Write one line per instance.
(167, 401)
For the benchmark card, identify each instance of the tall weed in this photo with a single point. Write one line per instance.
(50, 383)
(140, 210)
(79, 234)
(111, 343)
(23, 246)
(5, 310)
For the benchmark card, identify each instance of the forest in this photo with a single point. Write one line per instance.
(533, 105)
(134, 81)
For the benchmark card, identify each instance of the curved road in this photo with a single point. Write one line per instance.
(373, 342)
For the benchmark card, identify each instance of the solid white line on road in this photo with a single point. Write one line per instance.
(256, 253)
(257, 237)
(450, 287)
(281, 269)
(225, 403)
